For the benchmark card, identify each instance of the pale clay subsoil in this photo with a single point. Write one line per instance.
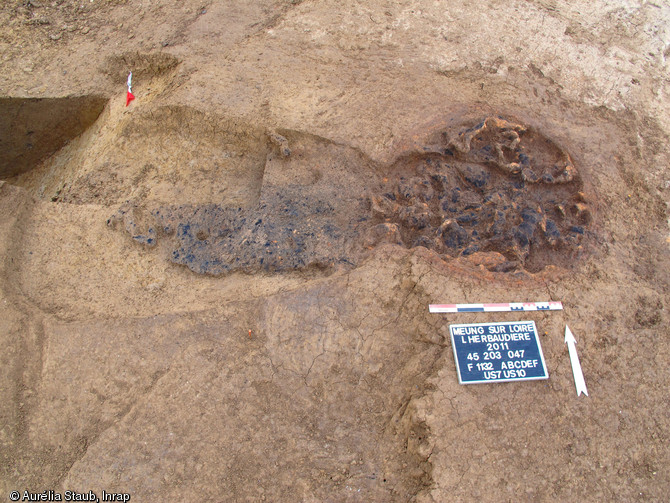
(137, 361)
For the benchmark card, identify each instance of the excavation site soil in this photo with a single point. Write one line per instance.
(220, 290)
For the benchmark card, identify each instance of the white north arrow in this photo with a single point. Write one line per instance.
(574, 360)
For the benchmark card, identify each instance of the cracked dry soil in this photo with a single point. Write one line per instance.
(220, 292)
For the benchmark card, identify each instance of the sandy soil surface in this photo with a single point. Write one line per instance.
(220, 292)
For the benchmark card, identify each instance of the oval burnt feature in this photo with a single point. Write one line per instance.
(504, 187)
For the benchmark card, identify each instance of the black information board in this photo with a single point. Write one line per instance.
(497, 352)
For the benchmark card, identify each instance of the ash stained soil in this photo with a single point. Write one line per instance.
(125, 371)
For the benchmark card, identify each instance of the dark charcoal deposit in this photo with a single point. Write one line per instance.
(496, 186)
(287, 231)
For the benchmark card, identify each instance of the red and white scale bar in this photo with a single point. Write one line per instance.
(496, 308)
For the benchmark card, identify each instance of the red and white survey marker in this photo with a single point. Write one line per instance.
(130, 96)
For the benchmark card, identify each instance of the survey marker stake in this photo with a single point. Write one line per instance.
(574, 360)
(129, 95)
